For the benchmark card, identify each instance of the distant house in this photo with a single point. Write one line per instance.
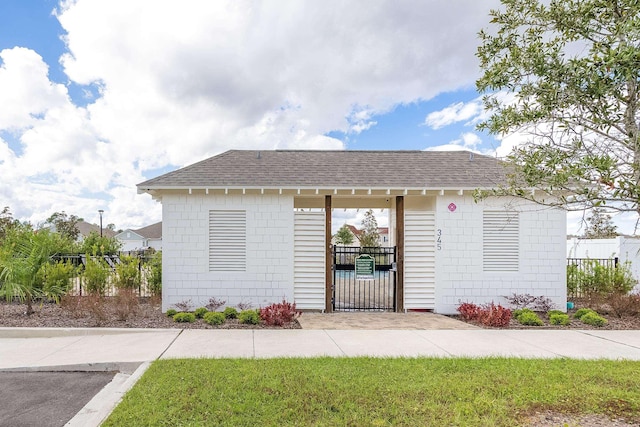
(86, 228)
(141, 238)
(383, 233)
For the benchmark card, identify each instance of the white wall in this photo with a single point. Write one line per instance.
(459, 261)
(593, 248)
(185, 262)
(624, 248)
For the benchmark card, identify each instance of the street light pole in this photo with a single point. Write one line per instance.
(101, 212)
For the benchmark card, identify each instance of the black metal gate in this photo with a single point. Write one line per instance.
(375, 293)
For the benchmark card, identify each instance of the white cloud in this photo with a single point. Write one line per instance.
(468, 141)
(454, 113)
(182, 81)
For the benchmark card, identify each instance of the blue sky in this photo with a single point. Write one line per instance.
(99, 95)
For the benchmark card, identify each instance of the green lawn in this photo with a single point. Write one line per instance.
(375, 392)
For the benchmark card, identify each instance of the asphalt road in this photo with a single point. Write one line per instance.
(46, 399)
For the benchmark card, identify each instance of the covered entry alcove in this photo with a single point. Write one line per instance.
(324, 274)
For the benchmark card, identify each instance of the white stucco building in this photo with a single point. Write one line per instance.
(255, 226)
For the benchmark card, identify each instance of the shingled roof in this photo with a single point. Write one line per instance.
(335, 169)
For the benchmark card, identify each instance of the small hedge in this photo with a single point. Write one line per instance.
(560, 319)
(184, 318)
(249, 317)
(214, 318)
(593, 319)
(171, 312)
(230, 313)
(529, 318)
(582, 312)
(200, 312)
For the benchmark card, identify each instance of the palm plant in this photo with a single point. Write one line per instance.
(22, 255)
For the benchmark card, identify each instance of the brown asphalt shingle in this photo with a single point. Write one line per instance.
(330, 169)
(153, 231)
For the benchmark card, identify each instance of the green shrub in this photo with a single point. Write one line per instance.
(214, 318)
(552, 312)
(529, 318)
(184, 317)
(559, 319)
(95, 275)
(593, 319)
(594, 278)
(128, 273)
(520, 311)
(249, 317)
(230, 313)
(581, 312)
(172, 312)
(155, 274)
(200, 312)
(56, 279)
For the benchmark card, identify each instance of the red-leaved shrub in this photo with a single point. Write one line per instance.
(494, 315)
(468, 311)
(279, 314)
(487, 314)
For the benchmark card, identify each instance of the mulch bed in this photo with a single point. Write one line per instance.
(145, 314)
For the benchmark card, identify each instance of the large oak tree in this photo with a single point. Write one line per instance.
(564, 76)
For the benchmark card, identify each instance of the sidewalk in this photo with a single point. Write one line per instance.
(93, 348)
(129, 351)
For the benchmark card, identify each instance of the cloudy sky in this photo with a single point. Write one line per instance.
(99, 95)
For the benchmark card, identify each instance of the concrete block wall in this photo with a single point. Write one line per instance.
(269, 241)
(459, 254)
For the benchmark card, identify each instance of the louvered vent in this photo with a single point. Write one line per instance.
(500, 241)
(227, 240)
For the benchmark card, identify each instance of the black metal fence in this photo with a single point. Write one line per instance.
(373, 292)
(111, 261)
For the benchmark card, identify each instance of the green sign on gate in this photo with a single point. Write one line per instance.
(365, 267)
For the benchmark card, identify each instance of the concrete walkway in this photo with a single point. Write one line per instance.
(130, 351)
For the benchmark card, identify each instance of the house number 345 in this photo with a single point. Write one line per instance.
(439, 239)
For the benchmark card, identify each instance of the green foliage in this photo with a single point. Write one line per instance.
(370, 236)
(128, 273)
(552, 312)
(529, 318)
(593, 319)
(249, 317)
(564, 76)
(581, 312)
(520, 311)
(559, 319)
(94, 244)
(95, 275)
(65, 225)
(56, 279)
(171, 312)
(7, 222)
(200, 312)
(214, 318)
(600, 225)
(230, 313)
(344, 236)
(23, 253)
(184, 318)
(154, 279)
(594, 278)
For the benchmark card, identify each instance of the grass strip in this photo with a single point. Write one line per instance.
(376, 392)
